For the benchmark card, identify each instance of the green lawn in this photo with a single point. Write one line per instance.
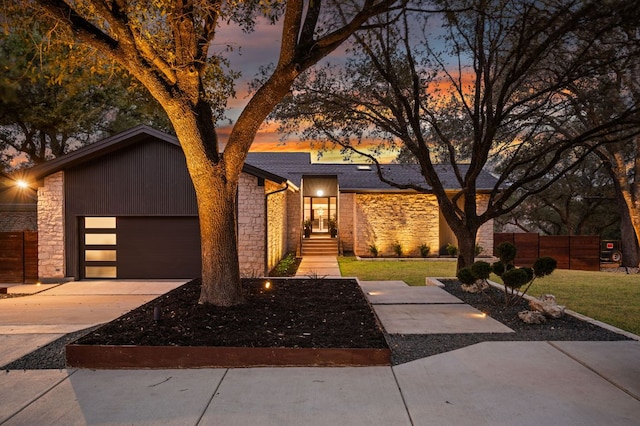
(609, 297)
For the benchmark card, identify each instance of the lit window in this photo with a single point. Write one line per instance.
(100, 239)
(100, 222)
(100, 272)
(100, 255)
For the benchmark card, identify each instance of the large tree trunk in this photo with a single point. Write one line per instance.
(629, 247)
(220, 266)
(215, 179)
(628, 198)
(466, 247)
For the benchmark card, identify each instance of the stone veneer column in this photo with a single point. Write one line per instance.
(251, 226)
(276, 224)
(485, 233)
(346, 223)
(294, 221)
(51, 250)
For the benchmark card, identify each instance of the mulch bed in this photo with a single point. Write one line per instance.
(301, 322)
(294, 313)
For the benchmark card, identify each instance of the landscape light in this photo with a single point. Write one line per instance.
(22, 184)
(267, 285)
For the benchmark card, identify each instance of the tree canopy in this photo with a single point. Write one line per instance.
(473, 84)
(168, 46)
(57, 96)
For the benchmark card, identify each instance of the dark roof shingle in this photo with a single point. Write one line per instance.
(354, 177)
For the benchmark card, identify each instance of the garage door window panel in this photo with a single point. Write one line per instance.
(100, 247)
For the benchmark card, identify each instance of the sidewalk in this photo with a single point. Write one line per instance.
(490, 383)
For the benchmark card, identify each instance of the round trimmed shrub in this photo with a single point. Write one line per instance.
(481, 270)
(506, 252)
(544, 266)
(515, 278)
(466, 276)
(498, 268)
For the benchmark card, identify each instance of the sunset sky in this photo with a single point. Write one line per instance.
(251, 51)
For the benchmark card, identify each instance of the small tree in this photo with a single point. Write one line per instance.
(474, 279)
(515, 278)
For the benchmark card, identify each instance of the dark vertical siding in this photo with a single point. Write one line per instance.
(149, 178)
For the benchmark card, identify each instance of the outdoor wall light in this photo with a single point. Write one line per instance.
(22, 184)
(320, 193)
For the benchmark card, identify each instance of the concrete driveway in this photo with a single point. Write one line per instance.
(28, 323)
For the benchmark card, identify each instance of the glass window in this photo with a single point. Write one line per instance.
(100, 272)
(99, 239)
(100, 222)
(100, 255)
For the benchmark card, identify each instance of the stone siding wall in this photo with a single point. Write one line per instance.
(485, 233)
(294, 221)
(51, 261)
(346, 207)
(387, 219)
(276, 224)
(251, 226)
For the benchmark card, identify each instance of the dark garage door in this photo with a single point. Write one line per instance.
(158, 247)
(141, 247)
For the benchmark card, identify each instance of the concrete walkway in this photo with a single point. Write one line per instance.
(318, 267)
(491, 383)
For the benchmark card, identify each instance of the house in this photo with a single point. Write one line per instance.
(125, 207)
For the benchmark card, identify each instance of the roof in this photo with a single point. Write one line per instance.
(354, 177)
(275, 166)
(118, 142)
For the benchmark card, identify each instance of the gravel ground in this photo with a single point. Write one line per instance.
(404, 348)
(407, 348)
(51, 356)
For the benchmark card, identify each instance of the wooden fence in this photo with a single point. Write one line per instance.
(18, 257)
(580, 252)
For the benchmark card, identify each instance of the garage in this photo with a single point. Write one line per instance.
(140, 247)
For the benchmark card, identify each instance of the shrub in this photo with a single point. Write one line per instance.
(481, 270)
(466, 276)
(479, 249)
(374, 250)
(397, 249)
(287, 266)
(424, 250)
(506, 253)
(544, 266)
(515, 278)
(498, 268)
(452, 250)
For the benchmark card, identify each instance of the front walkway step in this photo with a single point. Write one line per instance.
(319, 247)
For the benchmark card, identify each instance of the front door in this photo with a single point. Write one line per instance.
(319, 210)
